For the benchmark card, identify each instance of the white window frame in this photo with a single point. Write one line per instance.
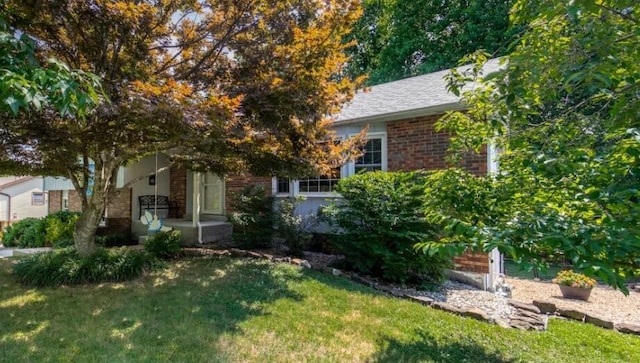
(373, 135)
(42, 195)
(346, 170)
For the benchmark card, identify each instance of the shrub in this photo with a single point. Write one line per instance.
(117, 239)
(296, 230)
(379, 220)
(165, 245)
(60, 225)
(66, 267)
(28, 232)
(63, 243)
(253, 217)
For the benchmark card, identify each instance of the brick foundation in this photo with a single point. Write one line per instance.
(477, 262)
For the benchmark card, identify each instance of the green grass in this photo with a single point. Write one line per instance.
(230, 310)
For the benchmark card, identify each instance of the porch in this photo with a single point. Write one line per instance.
(210, 229)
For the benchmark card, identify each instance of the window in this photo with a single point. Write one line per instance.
(320, 184)
(372, 158)
(65, 200)
(283, 186)
(37, 198)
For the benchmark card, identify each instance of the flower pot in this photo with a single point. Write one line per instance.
(579, 293)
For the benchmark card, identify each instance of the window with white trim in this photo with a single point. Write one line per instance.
(37, 198)
(320, 184)
(283, 186)
(372, 156)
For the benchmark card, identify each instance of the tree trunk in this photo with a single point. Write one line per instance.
(85, 230)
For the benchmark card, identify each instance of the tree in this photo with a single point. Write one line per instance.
(399, 38)
(219, 85)
(25, 83)
(564, 111)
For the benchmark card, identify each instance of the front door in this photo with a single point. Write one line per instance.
(213, 194)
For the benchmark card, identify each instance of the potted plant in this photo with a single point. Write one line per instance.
(574, 285)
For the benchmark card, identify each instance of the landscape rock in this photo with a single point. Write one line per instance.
(573, 314)
(546, 307)
(598, 321)
(335, 272)
(477, 314)
(254, 254)
(296, 261)
(305, 264)
(363, 280)
(628, 328)
(446, 307)
(420, 299)
(235, 252)
(522, 306)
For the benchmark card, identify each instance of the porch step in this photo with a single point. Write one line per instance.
(212, 231)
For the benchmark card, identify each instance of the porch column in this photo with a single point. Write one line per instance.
(195, 205)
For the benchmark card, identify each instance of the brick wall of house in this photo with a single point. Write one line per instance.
(237, 182)
(75, 202)
(55, 201)
(178, 189)
(415, 144)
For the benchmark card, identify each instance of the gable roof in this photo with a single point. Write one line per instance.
(15, 182)
(405, 98)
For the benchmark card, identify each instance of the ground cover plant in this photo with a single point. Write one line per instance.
(229, 310)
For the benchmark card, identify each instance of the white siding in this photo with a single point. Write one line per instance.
(21, 206)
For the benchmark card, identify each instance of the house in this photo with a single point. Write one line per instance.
(21, 197)
(400, 118)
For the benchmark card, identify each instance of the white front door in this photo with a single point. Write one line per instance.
(212, 194)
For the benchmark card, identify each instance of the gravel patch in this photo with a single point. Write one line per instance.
(604, 301)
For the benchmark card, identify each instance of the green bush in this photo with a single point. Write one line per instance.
(28, 232)
(379, 220)
(63, 243)
(60, 225)
(296, 230)
(253, 217)
(66, 267)
(165, 245)
(117, 239)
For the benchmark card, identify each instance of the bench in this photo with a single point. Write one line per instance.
(148, 202)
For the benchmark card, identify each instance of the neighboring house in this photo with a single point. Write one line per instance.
(400, 117)
(21, 197)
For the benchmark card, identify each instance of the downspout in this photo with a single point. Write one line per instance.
(8, 206)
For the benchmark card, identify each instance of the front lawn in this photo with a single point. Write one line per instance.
(222, 310)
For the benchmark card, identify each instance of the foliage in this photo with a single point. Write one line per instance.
(563, 112)
(403, 38)
(296, 230)
(67, 267)
(114, 239)
(26, 85)
(63, 243)
(222, 86)
(244, 310)
(38, 232)
(164, 245)
(28, 232)
(379, 219)
(574, 279)
(253, 216)
(60, 225)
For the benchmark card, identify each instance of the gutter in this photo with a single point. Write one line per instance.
(401, 115)
(8, 206)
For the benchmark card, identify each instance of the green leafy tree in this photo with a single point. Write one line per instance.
(25, 83)
(564, 112)
(403, 38)
(219, 85)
